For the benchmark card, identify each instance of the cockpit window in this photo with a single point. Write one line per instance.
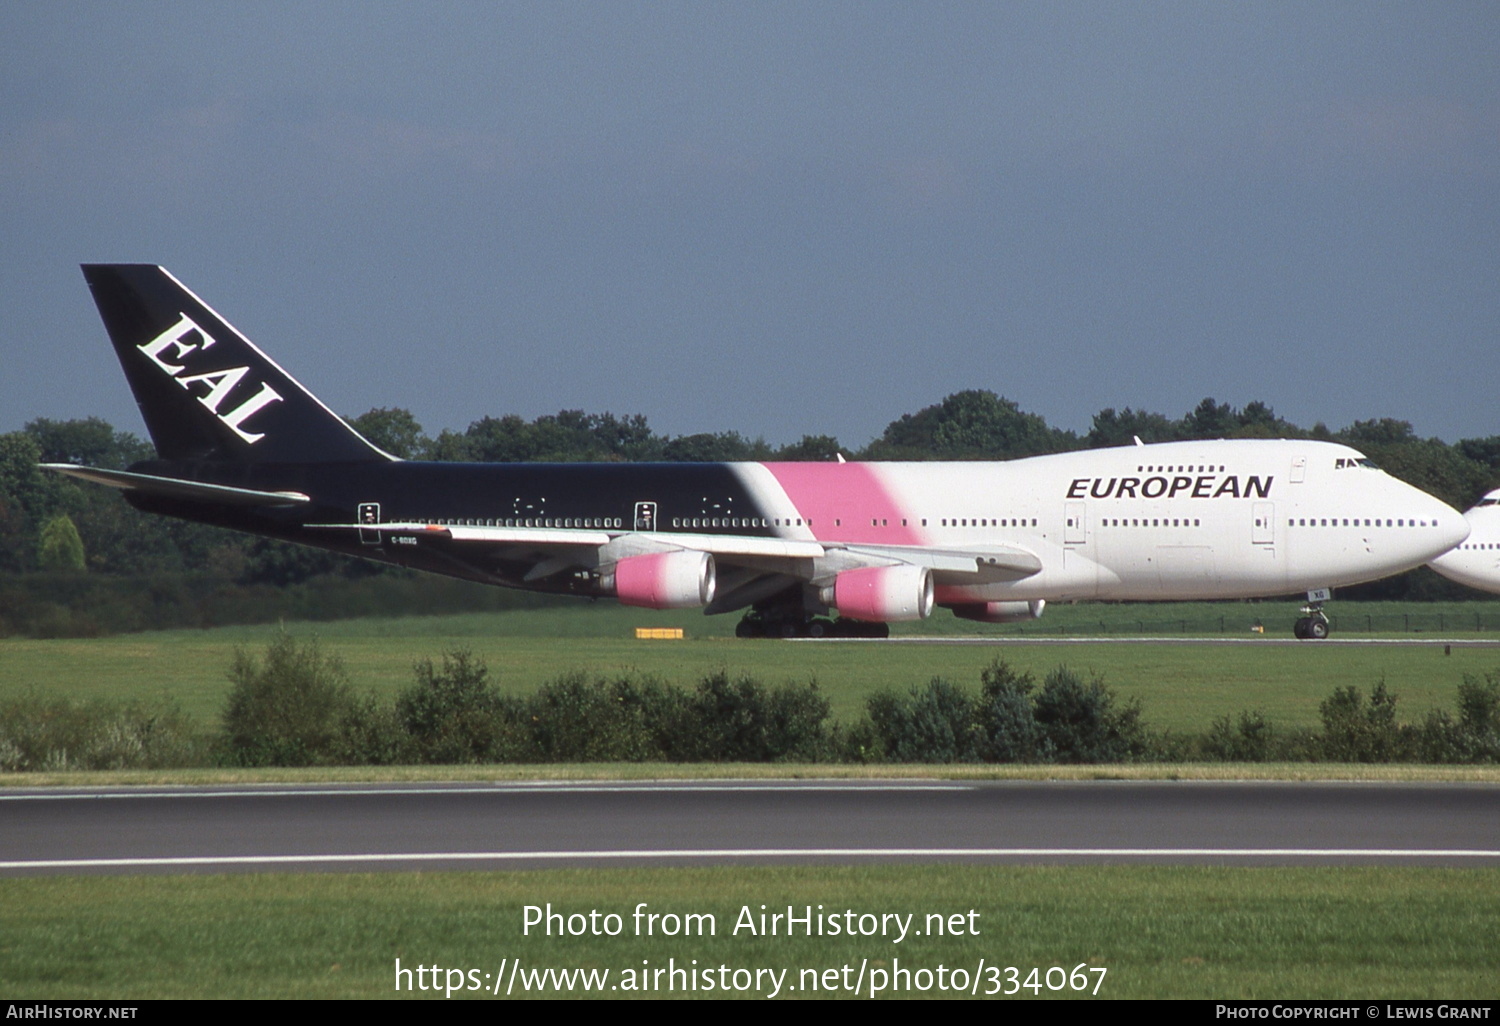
(1368, 463)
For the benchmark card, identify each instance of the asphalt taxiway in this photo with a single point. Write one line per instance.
(515, 825)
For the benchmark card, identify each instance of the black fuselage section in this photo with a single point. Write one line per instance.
(704, 498)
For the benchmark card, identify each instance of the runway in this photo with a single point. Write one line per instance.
(513, 826)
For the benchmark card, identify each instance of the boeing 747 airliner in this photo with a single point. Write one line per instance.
(242, 445)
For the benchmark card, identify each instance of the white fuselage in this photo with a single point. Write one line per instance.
(1476, 562)
(1181, 520)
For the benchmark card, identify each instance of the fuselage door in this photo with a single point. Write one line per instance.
(1263, 524)
(645, 516)
(368, 513)
(1299, 469)
(1075, 527)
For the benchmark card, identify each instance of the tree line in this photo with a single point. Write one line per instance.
(54, 524)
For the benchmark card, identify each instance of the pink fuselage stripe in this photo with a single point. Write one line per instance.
(841, 500)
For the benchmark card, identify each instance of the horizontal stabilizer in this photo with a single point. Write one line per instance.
(175, 488)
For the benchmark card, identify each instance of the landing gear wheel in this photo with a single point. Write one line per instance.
(1312, 628)
(758, 625)
(752, 625)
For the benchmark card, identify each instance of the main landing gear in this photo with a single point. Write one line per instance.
(1313, 624)
(759, 625)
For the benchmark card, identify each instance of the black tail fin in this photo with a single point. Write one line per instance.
(205, 390)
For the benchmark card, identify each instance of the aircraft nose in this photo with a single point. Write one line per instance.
(1451, 530)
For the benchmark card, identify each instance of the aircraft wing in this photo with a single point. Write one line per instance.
(542, 537)
(988, 562)
(537, 536)
(752, 562)
(980, 559)
(750, 559)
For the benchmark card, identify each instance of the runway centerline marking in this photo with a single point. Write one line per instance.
(722, 853)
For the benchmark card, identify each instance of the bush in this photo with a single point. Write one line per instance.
(1083, 723)
(1475, 737)
(1356, 731)
(298, 710)
(932, 724)
(1010, 732)
(573, 719)
(371, 734)
(1065, 720)
(51, 734)
(1251, 740)
(291, 711)
(742, 721)
(452, 715)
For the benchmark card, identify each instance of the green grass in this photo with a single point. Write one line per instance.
(1183, 687)
(1173, 932)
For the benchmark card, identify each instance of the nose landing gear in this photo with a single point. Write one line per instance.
(1313, 624)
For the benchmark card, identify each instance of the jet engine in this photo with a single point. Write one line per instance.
(1000, 612)
(881, 594)
(664, 580)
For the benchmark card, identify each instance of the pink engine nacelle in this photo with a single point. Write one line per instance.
(1000, 612)
(882, 594)
(664, 580)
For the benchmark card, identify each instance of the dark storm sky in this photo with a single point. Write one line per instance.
(773, 218)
